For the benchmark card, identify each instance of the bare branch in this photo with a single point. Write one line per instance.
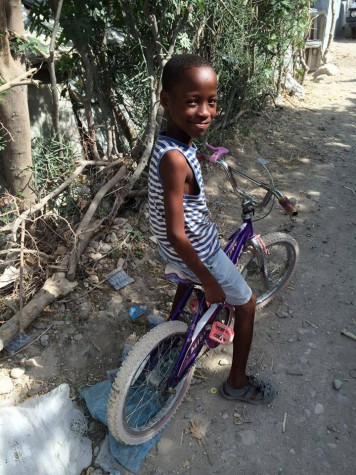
(331, 31)
(82, 228)
(52, 72)
(43, 202)
(28, 251)
(54, 287)
(21, 80)
(98, 197)
(6, 132)
(156, 34)
(14, 227)
(55, 27)
(176, 31)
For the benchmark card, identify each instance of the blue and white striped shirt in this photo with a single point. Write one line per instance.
(200, 230)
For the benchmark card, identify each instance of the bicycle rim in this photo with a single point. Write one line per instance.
(140, 410)
(268, 274)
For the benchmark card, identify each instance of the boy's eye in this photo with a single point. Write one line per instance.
(191, 102)
(212, 102)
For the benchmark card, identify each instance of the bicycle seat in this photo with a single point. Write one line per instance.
(175, 275)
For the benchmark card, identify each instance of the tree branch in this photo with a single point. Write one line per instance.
(331, 32)
(82, 228)
(28, 251)
(52, 73)
(43, 202)
(176, 31)
(156, 35)
(21, 80)
(14, 227)
(13, 34)
(54, 287)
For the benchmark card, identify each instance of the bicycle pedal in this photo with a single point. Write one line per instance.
(221, 333)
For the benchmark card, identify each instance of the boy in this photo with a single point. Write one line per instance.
(179, 216)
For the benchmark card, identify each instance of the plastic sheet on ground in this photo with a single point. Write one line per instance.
(44, 435)
(128, 456)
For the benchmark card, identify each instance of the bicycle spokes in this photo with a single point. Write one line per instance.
(149, 391)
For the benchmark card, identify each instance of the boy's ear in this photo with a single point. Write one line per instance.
(164, 99)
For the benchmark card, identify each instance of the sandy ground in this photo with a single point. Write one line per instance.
(310, 428)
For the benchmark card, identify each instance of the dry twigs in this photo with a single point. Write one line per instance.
(348, 334)
(82, 232)
(31, 211)
(43, 237)
(284, 423)
(351, 189)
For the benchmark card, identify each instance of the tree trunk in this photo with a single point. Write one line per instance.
(14, 115)
(331, 32)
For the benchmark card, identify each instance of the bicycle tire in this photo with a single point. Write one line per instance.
(280, 261)
(135, 389)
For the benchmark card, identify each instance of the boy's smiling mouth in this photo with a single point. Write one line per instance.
(203, 125)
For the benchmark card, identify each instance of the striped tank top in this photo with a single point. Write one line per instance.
(200, 230)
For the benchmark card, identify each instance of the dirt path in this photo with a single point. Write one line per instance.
(311, 148)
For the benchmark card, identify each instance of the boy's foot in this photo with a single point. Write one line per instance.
(255, 392)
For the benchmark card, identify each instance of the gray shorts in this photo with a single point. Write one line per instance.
(226, 273)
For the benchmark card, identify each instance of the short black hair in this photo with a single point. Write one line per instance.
(177, 65)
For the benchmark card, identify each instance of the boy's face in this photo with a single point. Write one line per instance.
(191, 104)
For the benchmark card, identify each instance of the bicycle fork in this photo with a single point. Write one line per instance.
(261, 250)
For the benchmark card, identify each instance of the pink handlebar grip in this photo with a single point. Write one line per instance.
(219, 152)
(288, 205)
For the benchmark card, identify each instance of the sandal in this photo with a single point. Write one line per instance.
(255, 392)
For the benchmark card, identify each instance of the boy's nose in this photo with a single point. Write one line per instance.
(203, 110)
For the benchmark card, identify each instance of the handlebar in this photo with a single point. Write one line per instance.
(287, 204)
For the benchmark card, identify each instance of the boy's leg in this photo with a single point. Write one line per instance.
(181, 289)
(239, 386)
(244, 322)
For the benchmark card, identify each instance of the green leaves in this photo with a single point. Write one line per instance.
(135, 235)
(184, 42)
(2, 143)
(118, 48)
(50, 167)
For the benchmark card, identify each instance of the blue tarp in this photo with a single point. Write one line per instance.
(129, 456)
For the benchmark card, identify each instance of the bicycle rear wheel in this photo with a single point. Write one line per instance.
(140, 404)
(268, 273)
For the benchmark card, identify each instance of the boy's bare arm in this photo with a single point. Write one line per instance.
(173, 170)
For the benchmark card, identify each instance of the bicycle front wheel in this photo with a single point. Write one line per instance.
(140, 404)
(268, 272)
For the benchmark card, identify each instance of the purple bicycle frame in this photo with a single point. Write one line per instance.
(191, 349)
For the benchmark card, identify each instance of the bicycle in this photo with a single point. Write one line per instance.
(156, 374)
